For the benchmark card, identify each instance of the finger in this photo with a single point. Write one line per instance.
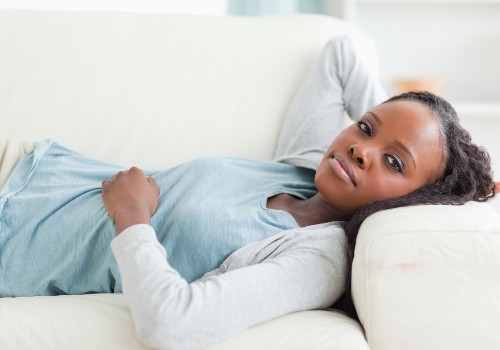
(105, 183)
(151, 180)
(135, 169)
(154, 207)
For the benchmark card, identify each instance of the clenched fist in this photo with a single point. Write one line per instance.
(130, 198)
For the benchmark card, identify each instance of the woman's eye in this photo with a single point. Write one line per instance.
(365, 127)
(395, 163)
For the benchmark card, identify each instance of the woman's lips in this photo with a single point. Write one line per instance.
(343, 169)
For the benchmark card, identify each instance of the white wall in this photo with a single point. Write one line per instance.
(457, 41)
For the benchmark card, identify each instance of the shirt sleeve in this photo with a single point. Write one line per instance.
(170, 313)
(340, 83)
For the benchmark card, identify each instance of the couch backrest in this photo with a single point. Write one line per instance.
(156, 89)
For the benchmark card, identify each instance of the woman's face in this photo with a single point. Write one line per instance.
(390, 151)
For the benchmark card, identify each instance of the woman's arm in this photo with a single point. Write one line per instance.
(170, 313)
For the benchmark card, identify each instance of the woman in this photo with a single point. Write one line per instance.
(236, 242)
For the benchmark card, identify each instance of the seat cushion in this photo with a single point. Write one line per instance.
(103, 321)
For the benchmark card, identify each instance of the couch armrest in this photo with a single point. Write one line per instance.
(427, 277)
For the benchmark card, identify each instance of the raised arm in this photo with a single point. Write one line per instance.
(169, 313)
(339, 83)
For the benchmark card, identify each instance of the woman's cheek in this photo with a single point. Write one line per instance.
(385, 187)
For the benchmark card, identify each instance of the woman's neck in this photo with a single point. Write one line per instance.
(307, 212)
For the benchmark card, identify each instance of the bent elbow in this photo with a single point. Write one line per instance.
(153, 338)
(170, 324)
(157, 333)
(163, 333)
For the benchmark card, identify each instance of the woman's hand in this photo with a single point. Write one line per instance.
(130, 198)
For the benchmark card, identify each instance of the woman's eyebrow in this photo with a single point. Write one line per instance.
(407, 151)
(377, 119)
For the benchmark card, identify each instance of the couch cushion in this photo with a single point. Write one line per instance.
(156, 89)
(425, 277)
(103, 321)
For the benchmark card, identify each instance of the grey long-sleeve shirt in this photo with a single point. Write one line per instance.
(294, 270)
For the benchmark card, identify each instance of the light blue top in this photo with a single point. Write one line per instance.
(55, 233)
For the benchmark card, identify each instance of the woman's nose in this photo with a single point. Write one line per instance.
(361, 155)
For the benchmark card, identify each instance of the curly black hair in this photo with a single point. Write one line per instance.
(467, 176)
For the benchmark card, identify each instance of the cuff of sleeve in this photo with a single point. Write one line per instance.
(132, 235)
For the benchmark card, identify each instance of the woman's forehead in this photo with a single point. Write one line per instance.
(404, 107)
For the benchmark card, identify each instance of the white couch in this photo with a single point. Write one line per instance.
(132, 88)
